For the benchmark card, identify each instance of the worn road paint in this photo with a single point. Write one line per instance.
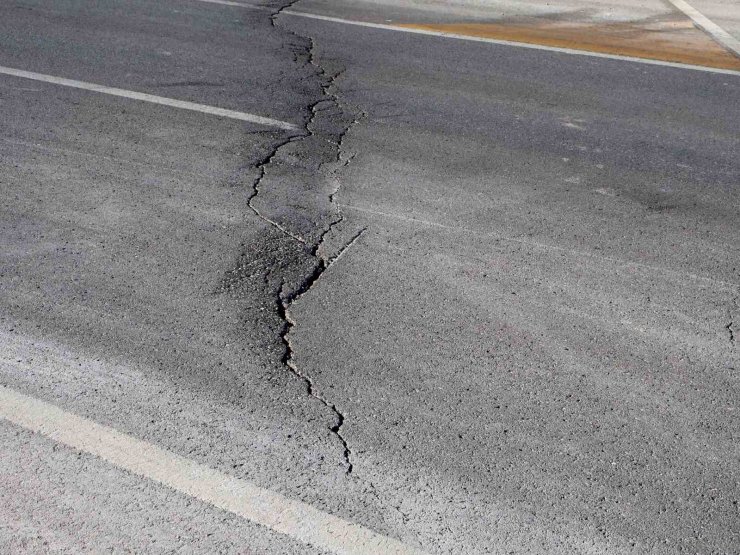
(670, 42)
(182, 104)
(272, 510)
(717, 32)
(238, 4)
(619, 41)
(436, 33)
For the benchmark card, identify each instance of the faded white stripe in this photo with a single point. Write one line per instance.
(702, 21)
(272, 510)
(238, 4)
(510, 43)
(183, 104)
(718, 33)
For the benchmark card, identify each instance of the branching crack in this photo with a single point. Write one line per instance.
(326, 107)
(261, 167)
(284, 301)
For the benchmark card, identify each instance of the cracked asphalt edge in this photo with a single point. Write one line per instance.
(731, 314)
(289, 271)
(285, 302)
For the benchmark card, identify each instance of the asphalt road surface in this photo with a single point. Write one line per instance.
(409, 294)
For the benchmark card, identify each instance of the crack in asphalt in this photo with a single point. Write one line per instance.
(261, 167)
(730, 326)
(317, 251)
(327, 84)
(284, 297)
(262, 164)
(285, 301)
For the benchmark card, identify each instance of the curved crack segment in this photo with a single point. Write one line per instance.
(344, 162)
(730, 327)
(284, 301)
(261, 167)
(329, 107)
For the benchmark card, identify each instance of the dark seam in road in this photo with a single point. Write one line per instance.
(730, 326)
(283, 306)
(261, 169)
(327, 83)
(285, 300)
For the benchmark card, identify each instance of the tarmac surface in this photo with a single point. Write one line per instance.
(472, 297)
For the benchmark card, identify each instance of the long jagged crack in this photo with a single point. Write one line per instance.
(730, 327)
(287, 295)
(327, 83)
(327, 86)
(284, 302)
(262, 164)
(261, 167)
(318, 250)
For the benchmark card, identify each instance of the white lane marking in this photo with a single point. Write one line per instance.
(272, 510)
(238, 4)
(183, 104)
(703, 22)
(510, 43)
(717, 32)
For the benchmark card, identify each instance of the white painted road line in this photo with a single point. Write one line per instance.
(720, 34)
(183, 104)
(703, 22)
(272, 510)
(238, 4)
(509, 43)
